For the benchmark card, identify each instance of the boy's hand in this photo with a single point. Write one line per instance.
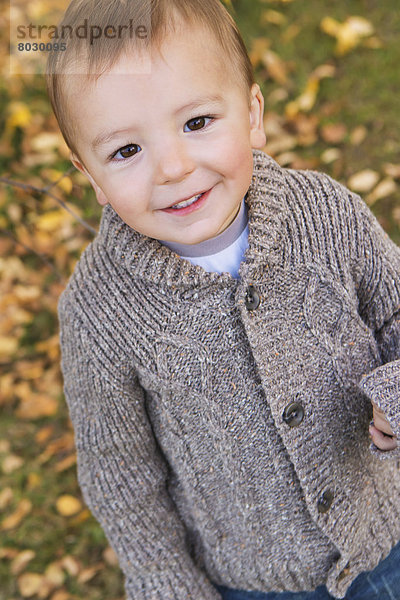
(381, 432)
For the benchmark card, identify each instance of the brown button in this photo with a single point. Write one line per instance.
(325, 501)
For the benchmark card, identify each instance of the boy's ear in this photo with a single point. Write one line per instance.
(101, 198)
(257, 134)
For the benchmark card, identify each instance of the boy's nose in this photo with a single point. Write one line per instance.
(174, 163)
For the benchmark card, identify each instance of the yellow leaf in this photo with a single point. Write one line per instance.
(348, 34)
(8, 346)
(385, 188)
(12, 521)
(19, 116)
(257, 50)
(27, 293)
(6, 496)
(36, 406)
(54, 575)
(53, 220)
(276, 67)
(21, 561)
(12, 463)
(68, 505)
(29, 584)
(306, 100)
(363, 181)
(274, 17)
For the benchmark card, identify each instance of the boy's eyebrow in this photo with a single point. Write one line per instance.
(104, 138)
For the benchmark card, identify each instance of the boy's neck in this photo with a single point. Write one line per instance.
(215, 244)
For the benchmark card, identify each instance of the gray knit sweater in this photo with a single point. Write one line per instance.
(222, 425)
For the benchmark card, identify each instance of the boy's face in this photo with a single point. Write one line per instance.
(174, 159)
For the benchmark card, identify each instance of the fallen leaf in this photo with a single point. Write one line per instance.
(71, 565)
(21, 561)
(358, 135)
(6, 496)
(90, 572)
(110, 557)
(4, 446)
(13, 520)
(333, 133)
(392, 170)
(29, 584)
(54, 574)
(348, 34)
(306, 100)
(385, 188)
(8, 347)
(363, 181)
(8, 553)
(36, 406)
(257, 50)
(68, 505)
(11, 463)
(330, 155)
(276, 67)
(19, 116)
(273, 16)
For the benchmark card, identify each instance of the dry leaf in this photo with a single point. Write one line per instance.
(6, 496)
(36, 406)
(363, 181)
(330, 155)
(8, 346)
(348, 34)
(88, 574)
(305, 101)
(257, 50)
(358, 135)
(276, 67)
(54, 574)
(20, 562)
(110, 557)
(68, 505)
(19, 116)
(13, 520)
(71, 565)
(392, 170)
(29, 584)
(4, 444)
(11, 463)
(333, 133)
(274, 17)
(384, 189)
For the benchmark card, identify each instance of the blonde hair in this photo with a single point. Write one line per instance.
(98, 57)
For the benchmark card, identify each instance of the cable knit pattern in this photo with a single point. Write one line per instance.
(225, 440)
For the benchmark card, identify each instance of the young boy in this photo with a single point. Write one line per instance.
(228, 332)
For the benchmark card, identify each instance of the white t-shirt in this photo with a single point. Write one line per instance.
(223, 253)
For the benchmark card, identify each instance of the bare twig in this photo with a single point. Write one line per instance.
(46, 191)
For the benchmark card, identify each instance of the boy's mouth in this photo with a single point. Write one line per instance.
(187, 202)
(186, 206)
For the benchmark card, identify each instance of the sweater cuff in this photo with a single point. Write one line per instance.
(181, 581)
(382, 386)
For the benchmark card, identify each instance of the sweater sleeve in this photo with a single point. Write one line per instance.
(123, 475)
(377, 268)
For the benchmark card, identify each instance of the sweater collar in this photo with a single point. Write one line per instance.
(149, 260)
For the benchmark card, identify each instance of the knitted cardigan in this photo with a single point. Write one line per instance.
(221, 425)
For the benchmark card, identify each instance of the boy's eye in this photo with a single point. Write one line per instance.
(197, 123)
(127, 152)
